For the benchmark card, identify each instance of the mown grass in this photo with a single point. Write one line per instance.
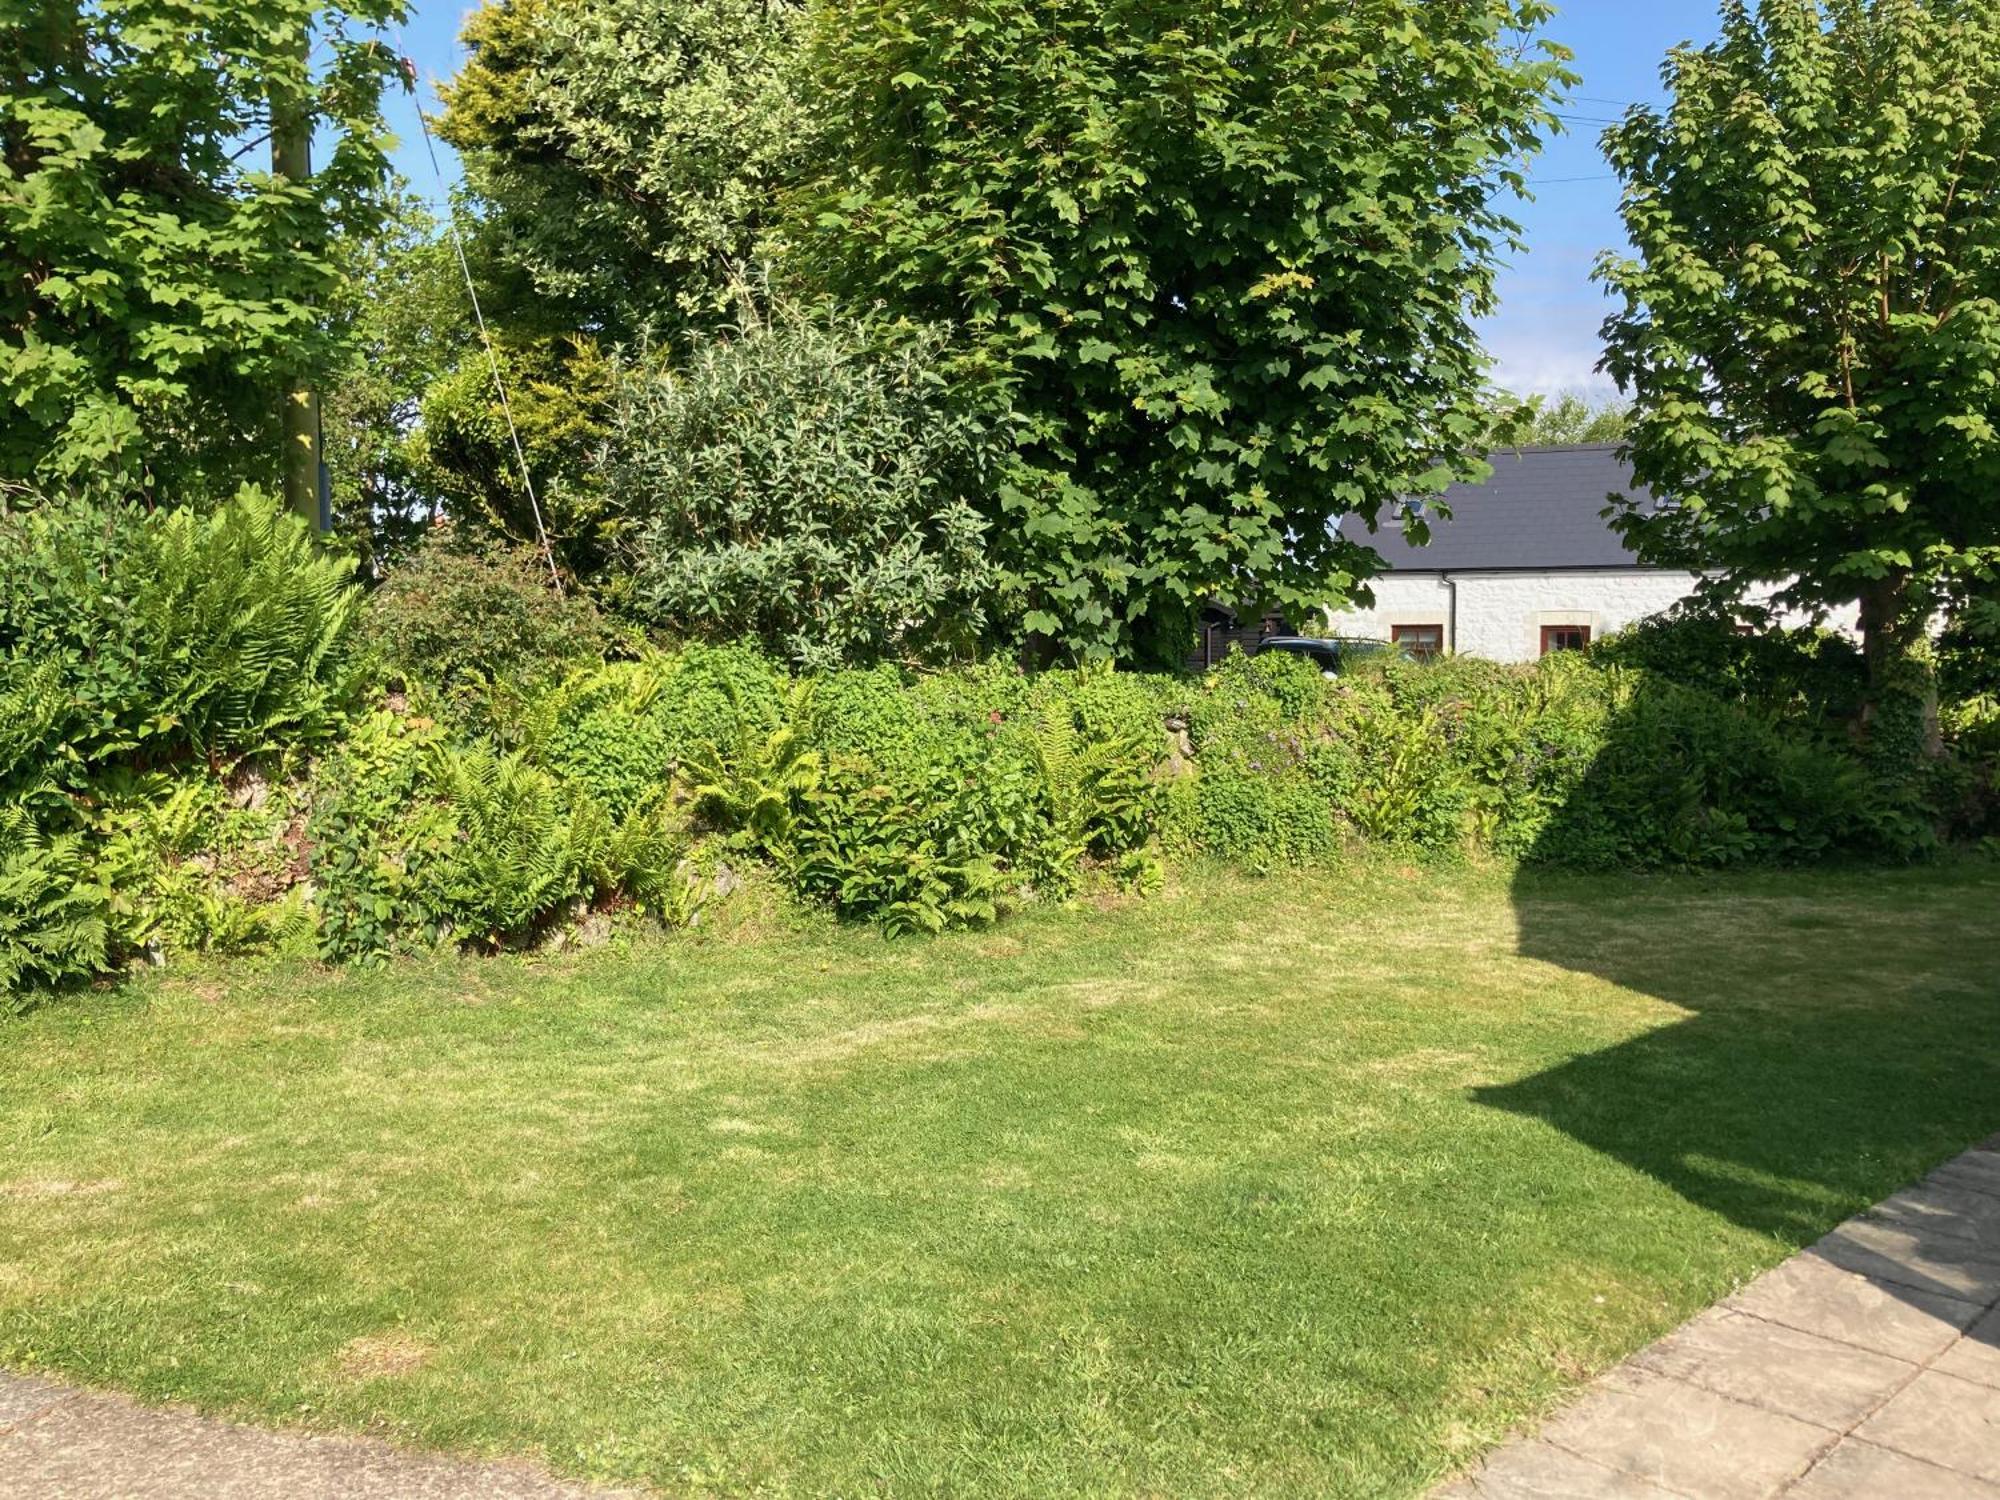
(1305, 1186)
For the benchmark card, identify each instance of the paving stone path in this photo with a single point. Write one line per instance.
(60, 1443)
(1864, 1368)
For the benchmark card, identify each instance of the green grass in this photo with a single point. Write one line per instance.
(1305, 1186)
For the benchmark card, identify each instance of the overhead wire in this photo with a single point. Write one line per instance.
(409, 72)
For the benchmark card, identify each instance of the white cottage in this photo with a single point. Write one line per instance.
(1526, 564)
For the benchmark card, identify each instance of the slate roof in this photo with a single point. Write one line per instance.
(1543, 508)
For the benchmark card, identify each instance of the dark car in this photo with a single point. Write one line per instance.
(1328, 653)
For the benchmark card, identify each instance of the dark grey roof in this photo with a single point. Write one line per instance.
(1543, 508)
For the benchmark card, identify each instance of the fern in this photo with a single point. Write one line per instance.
(35, 710)
(1101, 798)
(243, 619)
(646, 860)
(519, 854)
(51, 915)
(750, 787)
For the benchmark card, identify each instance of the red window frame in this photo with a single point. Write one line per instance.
(1552, 638)
(1406, 635)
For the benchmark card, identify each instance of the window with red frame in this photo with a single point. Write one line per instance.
(1421, 641)
(1564, 638)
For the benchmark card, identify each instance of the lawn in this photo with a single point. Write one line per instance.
(1306, 1186)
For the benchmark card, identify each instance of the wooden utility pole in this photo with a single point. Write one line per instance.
(291, 159)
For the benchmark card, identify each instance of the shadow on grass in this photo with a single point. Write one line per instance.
(1839, 1043)
(1842, 1030)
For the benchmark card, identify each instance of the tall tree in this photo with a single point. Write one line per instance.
(624, 156)
(160, 291)
(1811, 323)
(1217, 261)
(402, 315)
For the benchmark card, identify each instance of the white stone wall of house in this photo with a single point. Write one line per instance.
(1516, 616)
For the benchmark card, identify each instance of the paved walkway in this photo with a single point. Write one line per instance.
(59, 1443)
(1864, 1368)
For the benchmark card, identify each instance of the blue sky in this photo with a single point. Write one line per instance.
(1544, 337)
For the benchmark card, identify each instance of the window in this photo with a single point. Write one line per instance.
(1420, 641)
(1564, 638)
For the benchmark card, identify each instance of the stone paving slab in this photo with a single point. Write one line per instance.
(1861, 1471)
(1976, 1357)
(1865, 1368)
(1952, 1422)
(59, 1443)
(1541, 1471)
(1954, 1212)
(1801, 1375)
(1922, 1259)
(1981, 1176)
(1815, 1296)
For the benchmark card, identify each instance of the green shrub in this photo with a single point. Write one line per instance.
(804, 486)
(1259, 820)
(599, 729)
(1251, 724)
(172, 634)
(141, 653)
(708, 695)
(37, 744)
(1686, 779)
(52, 927)
(1812, 678)
(919, 801)
(1389, 771)
(462, 612)
(375, 839)
(1512, 742)
(915, 856)
(417, 838)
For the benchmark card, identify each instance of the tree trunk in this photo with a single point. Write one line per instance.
(1899, 715)
(291, 159)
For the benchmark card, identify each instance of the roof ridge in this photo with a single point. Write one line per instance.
(1518, 448)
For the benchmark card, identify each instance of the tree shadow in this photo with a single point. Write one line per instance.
(1838, 1033)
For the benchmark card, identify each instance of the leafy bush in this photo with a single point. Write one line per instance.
(708, 695)
(915, 856)
(1388, 769)
(803, 486)
(1250, 727)
(598, 729)
(172, 634)
(1102, 798)
(52, 925)
(459, 614)
(1814, 678)
(1514, 741)
(417, 838)
(1683, 778)
(373, 840)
